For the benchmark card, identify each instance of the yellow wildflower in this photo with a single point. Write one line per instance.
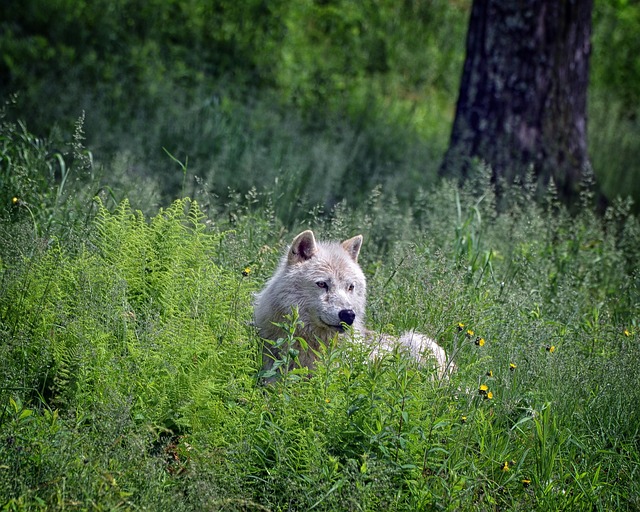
(626, 332)
(512, 366)
(246, 271)
(489, 396)
(460, 326)
(469, 333)
(483, 389)
(480, 341)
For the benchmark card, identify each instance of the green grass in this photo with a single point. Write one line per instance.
(129, 364)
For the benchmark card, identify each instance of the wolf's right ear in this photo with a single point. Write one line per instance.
(303, 247)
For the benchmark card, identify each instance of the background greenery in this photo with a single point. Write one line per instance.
(128, 363)
(339, 96)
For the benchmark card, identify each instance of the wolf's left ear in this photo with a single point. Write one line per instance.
(352, 246)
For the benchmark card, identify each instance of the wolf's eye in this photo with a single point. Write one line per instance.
(351, 287)
(322, 284)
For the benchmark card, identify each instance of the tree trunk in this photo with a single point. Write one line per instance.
(523, 93)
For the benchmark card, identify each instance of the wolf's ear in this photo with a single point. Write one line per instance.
(352, 246)
(303, 247)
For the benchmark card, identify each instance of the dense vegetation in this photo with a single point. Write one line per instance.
(129, 365)
(128, 362)
(341, 97)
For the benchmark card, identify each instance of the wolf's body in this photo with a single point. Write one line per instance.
(324, 281)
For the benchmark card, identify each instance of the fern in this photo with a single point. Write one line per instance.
(143, 296)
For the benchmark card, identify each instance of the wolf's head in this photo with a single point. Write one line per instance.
(323, 280)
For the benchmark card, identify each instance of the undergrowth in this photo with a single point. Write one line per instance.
(129, 364)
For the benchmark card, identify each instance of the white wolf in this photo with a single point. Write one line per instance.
(324, 281)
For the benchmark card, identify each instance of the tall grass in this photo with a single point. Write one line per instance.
(613, 129)
(129, 365)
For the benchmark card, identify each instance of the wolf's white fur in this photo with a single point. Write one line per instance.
(324, 281)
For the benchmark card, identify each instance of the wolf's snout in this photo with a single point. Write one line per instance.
(347, 316)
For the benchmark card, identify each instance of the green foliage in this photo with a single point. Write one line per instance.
(332, 98)
(38, 178)
(104, 42)
(129, 374)
(613, 132)
(336, 53)
(135, 331)
(256, 96)
(128, 367)
(615, 47)
(150, 283)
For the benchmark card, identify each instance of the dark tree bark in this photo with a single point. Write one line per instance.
(523, 94)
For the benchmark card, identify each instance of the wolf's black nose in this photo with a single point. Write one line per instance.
(347, 316)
